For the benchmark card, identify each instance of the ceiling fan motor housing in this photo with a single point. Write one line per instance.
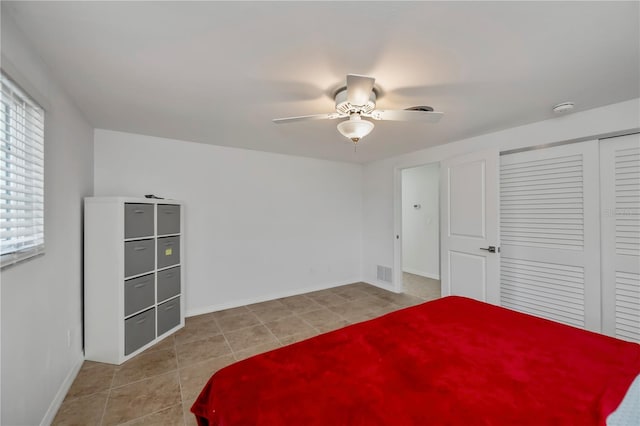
(357, 100)
(345, 107)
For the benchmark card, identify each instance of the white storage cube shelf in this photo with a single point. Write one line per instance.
(133, 275)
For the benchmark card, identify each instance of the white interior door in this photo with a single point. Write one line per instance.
(469, 226)
(620, 207)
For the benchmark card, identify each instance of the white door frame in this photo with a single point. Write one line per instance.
(397, 222)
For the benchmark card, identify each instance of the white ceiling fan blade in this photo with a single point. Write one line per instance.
(328, 116)
(359, 89)
(405, 115)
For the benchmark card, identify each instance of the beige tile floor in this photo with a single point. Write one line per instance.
(159, 386)
(421, 287)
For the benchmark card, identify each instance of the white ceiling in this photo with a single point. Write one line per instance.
(218, 72)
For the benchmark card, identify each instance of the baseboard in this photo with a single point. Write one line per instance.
(384, 286)
(242, 302)
(62, 392)
(421, 273)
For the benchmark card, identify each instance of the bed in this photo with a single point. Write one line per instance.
(452, 361)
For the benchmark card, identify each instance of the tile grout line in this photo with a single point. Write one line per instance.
(104, 410)
(269, 330)
(144, 378)
(175, 351)
(279, 305)
(292, 313)
(263, 323)
(317, 330)
(106, 402)
(184, 416)
(224, 336)
(138, 381)
(118, 368)
(128, 422)
(84, 395)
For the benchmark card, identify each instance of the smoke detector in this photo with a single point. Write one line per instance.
(563, 107)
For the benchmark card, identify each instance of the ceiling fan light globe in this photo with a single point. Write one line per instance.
(355, 128)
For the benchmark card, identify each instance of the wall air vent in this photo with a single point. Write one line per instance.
(385, 274)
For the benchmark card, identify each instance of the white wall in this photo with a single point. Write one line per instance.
(258, 225)
(420, 226)
(378, 218)
(41, 297)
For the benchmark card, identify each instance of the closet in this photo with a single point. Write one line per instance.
(570, 234)
(620, 222)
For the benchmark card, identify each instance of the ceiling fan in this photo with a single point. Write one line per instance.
(357, 100)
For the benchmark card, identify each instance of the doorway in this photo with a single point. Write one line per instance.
(420, 231)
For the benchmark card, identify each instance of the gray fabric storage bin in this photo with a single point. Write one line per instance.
(168, 219)
(168, 251)
(138, 220)
(138, 293)
(168, 315)
(168, 283)
(138, 257)
(139, 330)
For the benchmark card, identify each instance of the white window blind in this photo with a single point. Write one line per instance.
(21, 174)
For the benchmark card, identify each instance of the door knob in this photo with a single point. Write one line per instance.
(491, 249)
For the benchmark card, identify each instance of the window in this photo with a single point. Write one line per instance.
(21, 175)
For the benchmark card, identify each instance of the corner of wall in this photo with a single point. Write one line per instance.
(50, 415)
(41, 298)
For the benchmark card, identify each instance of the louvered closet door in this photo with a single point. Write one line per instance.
(620, 189)
(549, 231)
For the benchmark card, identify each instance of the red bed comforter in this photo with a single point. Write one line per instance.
(453, 361)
